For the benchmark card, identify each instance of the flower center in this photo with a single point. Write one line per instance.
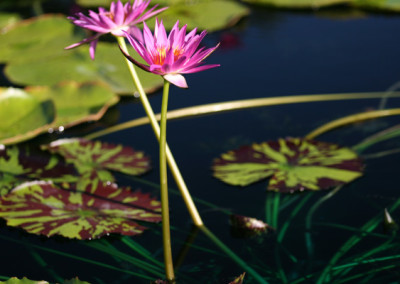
(160, 54)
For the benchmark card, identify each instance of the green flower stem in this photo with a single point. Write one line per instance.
(166, 234)
(232, 255)
(170, 158)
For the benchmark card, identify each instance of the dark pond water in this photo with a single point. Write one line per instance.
(270, 53)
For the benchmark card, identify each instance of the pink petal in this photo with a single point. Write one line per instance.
(176, 79)
(198, 69)
(92, 48)
(119, 14)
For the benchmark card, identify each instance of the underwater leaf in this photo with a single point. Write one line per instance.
(76, 102)
(244, 227)
(23, 116)
(95, 157)
(238, 280)
(293, 164)
(42, 208)
(205, 15)
(298, 4)
(21, 164)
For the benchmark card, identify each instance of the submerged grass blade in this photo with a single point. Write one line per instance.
(233, 256)
(73, 256)
(367, 227)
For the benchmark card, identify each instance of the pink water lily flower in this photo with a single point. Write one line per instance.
(120, 18)
(173, 55)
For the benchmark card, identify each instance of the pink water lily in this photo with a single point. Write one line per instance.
(171, 55)
(120, 18)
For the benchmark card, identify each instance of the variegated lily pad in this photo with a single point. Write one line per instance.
(293, 164)
(15, 280)
(42, 208)
(93, 159)
(21, 164)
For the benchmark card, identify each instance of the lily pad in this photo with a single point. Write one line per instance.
(109, 67)
(42, 208)
(7, 20)
(21, 164)
(294, 164)
(379, 5)
(205, 15)
(23, 116)
(76, 103)
(15, 280)
(298, 4)
(93, 159)
(27, 40)
(24, 51)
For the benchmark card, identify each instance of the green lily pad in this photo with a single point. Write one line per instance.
(7, 20)
(379, 5)
(298, 4)
(76, 103)
(109, 67)
(42, 208)
(205, 15)
(21, 164)
(93, 159)
(294, 164)
(24, 51)
(37, 39)
(23, 116)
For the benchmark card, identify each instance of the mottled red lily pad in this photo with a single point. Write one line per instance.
(294, 164)
(15, 280)
(44, 209)
(94, 158)
(20, 164)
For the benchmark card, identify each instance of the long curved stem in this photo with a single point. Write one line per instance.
(156, 128)
(238, 105)
(166, 234)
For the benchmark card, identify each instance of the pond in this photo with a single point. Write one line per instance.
(337, 235)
